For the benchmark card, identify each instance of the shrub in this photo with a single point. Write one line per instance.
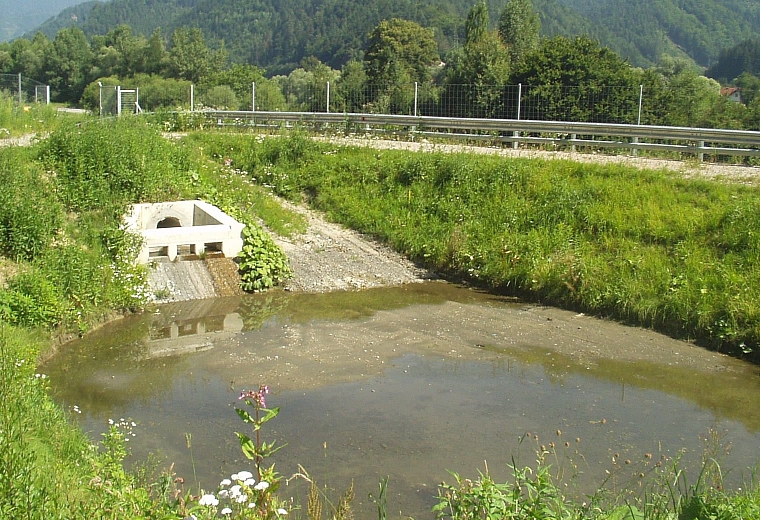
(31, 301)
(220, 97)
(30, 215)
(262, 263)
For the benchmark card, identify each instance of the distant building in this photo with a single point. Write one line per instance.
(732, 93)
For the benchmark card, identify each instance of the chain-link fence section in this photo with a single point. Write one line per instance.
(599, 104)
(24, 89)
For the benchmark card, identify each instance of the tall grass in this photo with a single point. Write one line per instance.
(50, 468)
(644, 247)
(32, 118)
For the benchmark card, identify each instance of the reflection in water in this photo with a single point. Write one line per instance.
(407, 382)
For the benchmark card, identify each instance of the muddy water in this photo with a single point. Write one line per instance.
(408, 383)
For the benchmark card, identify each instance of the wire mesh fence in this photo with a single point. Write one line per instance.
(24, 89)
(599, 104)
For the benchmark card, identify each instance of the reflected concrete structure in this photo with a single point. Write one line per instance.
(186, 327)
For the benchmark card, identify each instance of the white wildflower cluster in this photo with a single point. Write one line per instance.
(125, 426)
(240, 496)
(133, 279)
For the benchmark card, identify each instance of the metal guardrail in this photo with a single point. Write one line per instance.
(697, 141)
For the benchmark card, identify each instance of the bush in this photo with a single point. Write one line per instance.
(30, 215)
(220, 97)
(31, 301)
(262, 263)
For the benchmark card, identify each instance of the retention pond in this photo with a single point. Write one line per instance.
(408, 382)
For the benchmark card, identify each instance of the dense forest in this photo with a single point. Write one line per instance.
(743, 57)
(277, 35)
(472, 70)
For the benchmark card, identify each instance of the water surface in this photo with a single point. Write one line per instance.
(409, 383)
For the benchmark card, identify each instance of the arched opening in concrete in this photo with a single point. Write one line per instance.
(168, 222)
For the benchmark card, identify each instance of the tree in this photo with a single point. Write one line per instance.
(519, 28)
(70, 64)
(241, 78)
(307, 90)
(352, 87)
(190, 58)
(475, 75)
(749, 85)
(30, 57)
(576, 79)
(476, 26)
(690, 98)
(400, 49)
(155, 54)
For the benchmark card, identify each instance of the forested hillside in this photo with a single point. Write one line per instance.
(278, 34)
(18, 17)
(700, 29)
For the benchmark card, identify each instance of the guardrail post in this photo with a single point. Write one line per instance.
(634, 150)
(701, 154)
(572, 146)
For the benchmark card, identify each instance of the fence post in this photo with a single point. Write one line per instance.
(516, 134)
(415, 99)
(253, 97)
(635, 140)
(328, 98)
(100, 98)
(20, 97)
(192, 98)
(118, 100)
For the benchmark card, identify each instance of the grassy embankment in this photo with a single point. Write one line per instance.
(558, 232)
(639, 246)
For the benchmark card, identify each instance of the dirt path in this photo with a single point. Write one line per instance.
(328, 257)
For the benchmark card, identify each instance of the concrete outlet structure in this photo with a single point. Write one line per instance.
(187, 227)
